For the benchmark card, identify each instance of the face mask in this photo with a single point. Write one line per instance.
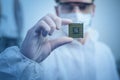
(77, 18)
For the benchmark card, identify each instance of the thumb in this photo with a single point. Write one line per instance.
(59, 42)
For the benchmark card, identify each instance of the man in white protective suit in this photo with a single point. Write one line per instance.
(47, 53)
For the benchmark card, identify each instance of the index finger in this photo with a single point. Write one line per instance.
(66, 21)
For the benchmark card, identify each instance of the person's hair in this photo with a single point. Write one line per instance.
(57, 1)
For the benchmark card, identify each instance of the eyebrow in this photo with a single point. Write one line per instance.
(66, 3)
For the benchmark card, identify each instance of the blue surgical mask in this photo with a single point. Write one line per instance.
(77, 18)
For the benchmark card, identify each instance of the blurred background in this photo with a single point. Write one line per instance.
(17, 16)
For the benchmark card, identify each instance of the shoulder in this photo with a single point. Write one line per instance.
(102, 47)
(103, 51)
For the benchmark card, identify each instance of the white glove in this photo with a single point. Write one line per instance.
(35, 46)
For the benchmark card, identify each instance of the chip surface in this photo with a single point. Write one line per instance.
(76, 30)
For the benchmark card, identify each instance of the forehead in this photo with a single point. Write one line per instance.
(86, 1)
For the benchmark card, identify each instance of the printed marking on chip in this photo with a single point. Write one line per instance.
(76, 30)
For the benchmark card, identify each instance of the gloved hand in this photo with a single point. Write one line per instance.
(36, 46)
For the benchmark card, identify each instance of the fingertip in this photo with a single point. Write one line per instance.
(58, 28)
(69, 39)
(66, 21)
(50, 34)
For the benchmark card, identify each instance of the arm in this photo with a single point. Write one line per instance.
(24, 63)
(14, 66)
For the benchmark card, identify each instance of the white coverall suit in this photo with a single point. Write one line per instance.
(73, 61)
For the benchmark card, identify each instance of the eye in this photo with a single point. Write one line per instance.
(68, 7)
(82, 7)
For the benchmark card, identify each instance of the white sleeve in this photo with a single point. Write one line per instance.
(15, 66)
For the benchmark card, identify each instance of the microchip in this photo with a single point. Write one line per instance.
(76, 30)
